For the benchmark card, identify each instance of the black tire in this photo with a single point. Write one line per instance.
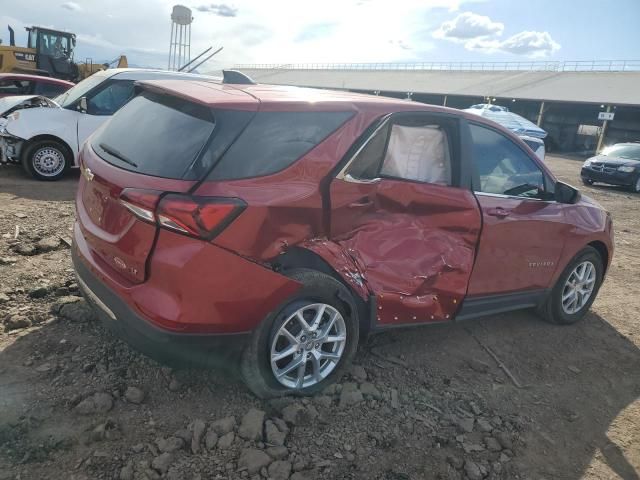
(255, 366)
(552, 310)
(587, 181)
(56, 151)
(636, 185)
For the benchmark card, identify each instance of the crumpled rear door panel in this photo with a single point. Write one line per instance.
(414, 244)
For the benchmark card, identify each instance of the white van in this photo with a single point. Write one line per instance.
(46, 135)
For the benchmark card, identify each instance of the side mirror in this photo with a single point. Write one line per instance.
(83, 105)
(566, 193)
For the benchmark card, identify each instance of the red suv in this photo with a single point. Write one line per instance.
(19, 84)
(290, 222)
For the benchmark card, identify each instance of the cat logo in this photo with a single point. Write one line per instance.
(25, 57)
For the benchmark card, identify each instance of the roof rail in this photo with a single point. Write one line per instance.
(235, 77)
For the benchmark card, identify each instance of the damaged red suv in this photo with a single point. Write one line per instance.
(291, 222)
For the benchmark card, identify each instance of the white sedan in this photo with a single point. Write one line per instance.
(46, 135)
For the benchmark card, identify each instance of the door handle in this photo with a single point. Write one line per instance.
(498, 212)
(363, 202)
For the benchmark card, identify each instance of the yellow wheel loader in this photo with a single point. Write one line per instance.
(49, 53)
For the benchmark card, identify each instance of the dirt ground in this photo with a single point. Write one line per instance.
(76, 403)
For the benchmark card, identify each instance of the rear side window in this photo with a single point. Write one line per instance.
(418, 153)
(415, 147)
(367, 163)
(156, 135)
(275, 140)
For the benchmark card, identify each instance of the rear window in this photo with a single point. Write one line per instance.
(275, 140)
(156, 135)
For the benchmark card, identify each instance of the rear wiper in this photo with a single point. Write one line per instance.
(112, 151)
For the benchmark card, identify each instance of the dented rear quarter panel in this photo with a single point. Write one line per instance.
(287, 208)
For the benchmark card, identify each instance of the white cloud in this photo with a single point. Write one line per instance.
(73, 6)
(529, 44)
(532, 44)
(480, 33)
(220, 9)
(468, 26)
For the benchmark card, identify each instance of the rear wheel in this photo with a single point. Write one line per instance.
(305, 344)
(46, 160)
(575, 290)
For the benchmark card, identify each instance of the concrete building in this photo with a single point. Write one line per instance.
(564, 98)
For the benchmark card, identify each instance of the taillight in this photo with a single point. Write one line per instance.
(202, 217)
(142, 203)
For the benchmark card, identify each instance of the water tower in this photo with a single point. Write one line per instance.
(180, 43)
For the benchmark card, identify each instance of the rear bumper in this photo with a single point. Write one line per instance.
(183, 349)
(615, 178)
(180, 349)
(191, 286)
(198, 306)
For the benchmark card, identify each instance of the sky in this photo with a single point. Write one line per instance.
(302, 31)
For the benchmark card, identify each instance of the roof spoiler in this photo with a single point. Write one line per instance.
(235, 77)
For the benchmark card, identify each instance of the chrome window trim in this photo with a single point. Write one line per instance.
(500, 195)
(368, 181)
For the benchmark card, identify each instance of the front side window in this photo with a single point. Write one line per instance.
(74, 94)
(55, 45)
(503, 168)
(109, 100)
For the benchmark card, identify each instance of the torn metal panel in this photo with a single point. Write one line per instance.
(9, 105)
(343, 261)
(415, 245)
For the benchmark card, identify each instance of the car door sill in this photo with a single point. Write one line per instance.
(480, 306)
(474, 307)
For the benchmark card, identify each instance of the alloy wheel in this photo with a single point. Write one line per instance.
(48, 161)
(579, 287)
(308, 346)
